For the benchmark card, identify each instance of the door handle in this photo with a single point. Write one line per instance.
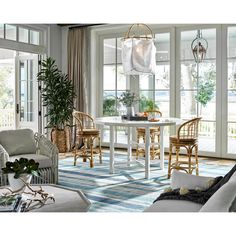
(17, 108)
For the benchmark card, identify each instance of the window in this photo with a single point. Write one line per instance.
(198, 87)
(23, 35)
(10, 32)
(20, 34)
(34, 37)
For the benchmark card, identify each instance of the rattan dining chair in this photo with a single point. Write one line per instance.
(87, 135)
(154, 135)
(187, 137)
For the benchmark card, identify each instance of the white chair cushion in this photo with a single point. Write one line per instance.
(180, 179)
(174, 206)
(18, 142)
(43, 161)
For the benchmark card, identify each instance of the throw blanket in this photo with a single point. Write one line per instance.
(195, 195)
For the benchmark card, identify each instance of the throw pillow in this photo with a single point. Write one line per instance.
(222, 200)
(18, 142)
(180, 179)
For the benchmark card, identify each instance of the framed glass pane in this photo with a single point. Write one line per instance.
(162, 101)
(147, 101)
(23, 35)
(232, 105)
(231, 42)
(146, 82)
(188, 75)
(207, 74)
(231, 73)
(119, 59)
(207, 133)
(232, 138)
(109, 103)
(109, 51)
(162, 42)
(1, 30)
(186, 40)
(210, 36)
(121, 135)
(188, 104)
(162, 77)
(208, 110)
(105, 134)
(121, 78)
(34, 37)
(10, 32)
(109, 77)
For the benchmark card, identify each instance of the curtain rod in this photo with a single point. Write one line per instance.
(84, 25)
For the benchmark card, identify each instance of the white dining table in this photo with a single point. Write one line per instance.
(113, 122)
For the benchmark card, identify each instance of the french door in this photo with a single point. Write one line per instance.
(26, 91)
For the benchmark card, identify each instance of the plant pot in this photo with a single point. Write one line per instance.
(61, 138)
(17, 184)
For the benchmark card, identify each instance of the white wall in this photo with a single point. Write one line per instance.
(54, 47)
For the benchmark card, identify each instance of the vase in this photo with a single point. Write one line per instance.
(130, 111)
(17, 185)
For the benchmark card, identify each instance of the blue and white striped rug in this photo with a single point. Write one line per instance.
(125, 191)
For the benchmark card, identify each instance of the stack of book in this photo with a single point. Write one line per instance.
(12, 204)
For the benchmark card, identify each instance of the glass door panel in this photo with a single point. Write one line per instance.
(231, 90)
(7, 89)
(198, 87)
(27, 92)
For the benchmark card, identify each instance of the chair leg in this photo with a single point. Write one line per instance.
(91, 150)
(137, 149)
(85, 149)
(189, 151)
(100, 150)
(75, 154)
(152, 147)
(196, 159)
(177, 153)
(159, 148)
(169, 164)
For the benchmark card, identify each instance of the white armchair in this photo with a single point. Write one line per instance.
(15, 144)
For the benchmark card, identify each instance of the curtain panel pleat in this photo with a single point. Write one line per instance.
(77, 56)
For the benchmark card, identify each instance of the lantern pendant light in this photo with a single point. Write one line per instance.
(199, 47)
(138, 51)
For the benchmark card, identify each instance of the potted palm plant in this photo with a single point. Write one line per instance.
(20, 172)
(58, 98)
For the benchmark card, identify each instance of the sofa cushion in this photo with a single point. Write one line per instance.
(183, 180)
(43, 161)
(18, 142)
(222, 200)
(174, 206)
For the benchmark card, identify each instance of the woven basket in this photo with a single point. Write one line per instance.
(61, 138)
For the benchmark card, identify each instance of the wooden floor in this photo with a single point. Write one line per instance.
(210, 160)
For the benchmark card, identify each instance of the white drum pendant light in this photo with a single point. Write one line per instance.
(138, 51)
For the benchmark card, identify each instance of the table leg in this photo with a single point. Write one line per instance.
(129, 146)
(147, 152)
(162, 147)
(112, 139)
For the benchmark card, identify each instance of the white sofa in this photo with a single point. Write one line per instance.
(223, 200)
(15, 144)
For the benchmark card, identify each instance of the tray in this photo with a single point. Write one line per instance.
(134, 118)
